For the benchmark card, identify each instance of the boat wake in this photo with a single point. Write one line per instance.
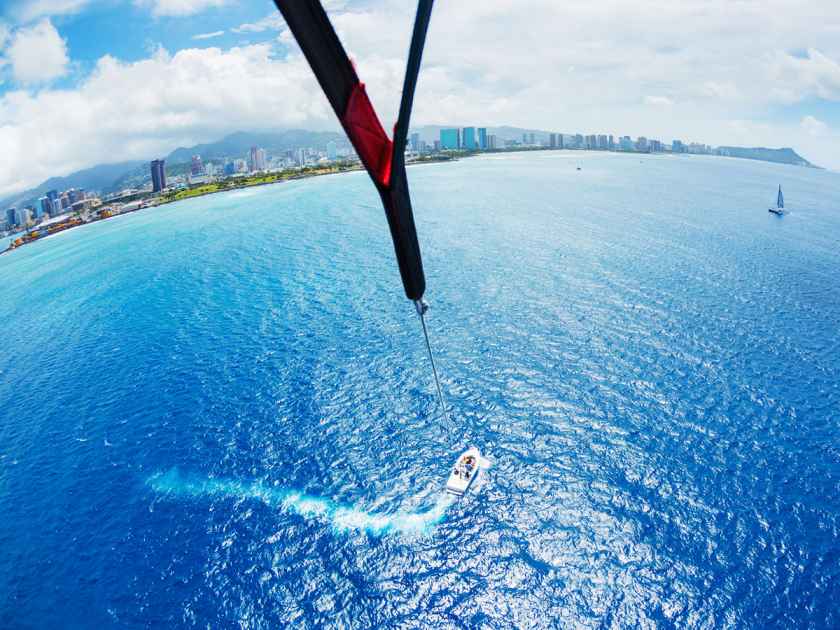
(342, 518)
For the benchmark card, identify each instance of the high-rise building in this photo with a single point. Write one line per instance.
(450, 139)
(158, 175)
(332, 150)
(414, 142)
(491, 141)
(552, 140)
(256, 159)
(23, 217)
(560, 141)
(56, 207)
(626, 143)
(468, 139)
(11, 217)
(46, 206)
(611, 142)
(677, 146)
(578, 141)
(482, 138)
(642, 144)
(603, 142)
(196, 166)
(524, 138)
(230, 168)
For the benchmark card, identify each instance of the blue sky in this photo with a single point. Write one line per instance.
(84, 82)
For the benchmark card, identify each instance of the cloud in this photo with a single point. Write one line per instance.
(37, 54)
(179, 8)
(813, 126)
(4, 35)
(723, 75)
(271, 22)
(33, 9)
(209, 35)
(658, 101)
(146, 108)
(800, 77)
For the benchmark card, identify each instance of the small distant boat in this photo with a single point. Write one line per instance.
(578, 168)
(466, 469)
(780, 204)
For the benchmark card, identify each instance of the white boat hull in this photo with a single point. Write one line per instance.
(465, 470)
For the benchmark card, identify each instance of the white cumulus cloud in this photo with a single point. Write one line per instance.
(31, 10)
(813, 126)
(273, 21)
(487, 63)
(37, 53)
(146, 108)
(4, 35)
(179, 7)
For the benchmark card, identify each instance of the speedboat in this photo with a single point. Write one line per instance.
(464, 472)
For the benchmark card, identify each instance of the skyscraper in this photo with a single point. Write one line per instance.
(415, 142)
(256, 159)
(552, 140)
(450, 139)
(196, 166)
(468, 139)
(11, 217)
(46, 206)
(158, 175)
(332, 150)
(482, 138)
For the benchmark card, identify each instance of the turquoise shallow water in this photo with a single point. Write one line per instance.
(219, 412)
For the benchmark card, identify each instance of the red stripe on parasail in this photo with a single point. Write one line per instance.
(372, 144)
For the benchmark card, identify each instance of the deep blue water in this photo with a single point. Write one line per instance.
(219, 412)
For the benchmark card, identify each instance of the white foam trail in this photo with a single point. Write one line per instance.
(342, 518)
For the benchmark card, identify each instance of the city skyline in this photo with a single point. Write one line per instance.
(458, 140)
(742, 75)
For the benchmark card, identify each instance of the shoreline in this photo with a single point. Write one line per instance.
(280, 179)
(286, 176)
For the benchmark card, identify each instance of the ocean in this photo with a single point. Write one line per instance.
(220, 413)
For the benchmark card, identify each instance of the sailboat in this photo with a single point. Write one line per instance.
(780, 204)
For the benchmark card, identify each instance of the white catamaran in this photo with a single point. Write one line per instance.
(780, 204)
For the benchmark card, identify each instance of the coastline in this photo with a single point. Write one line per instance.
(203, 191)
(228, 185)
